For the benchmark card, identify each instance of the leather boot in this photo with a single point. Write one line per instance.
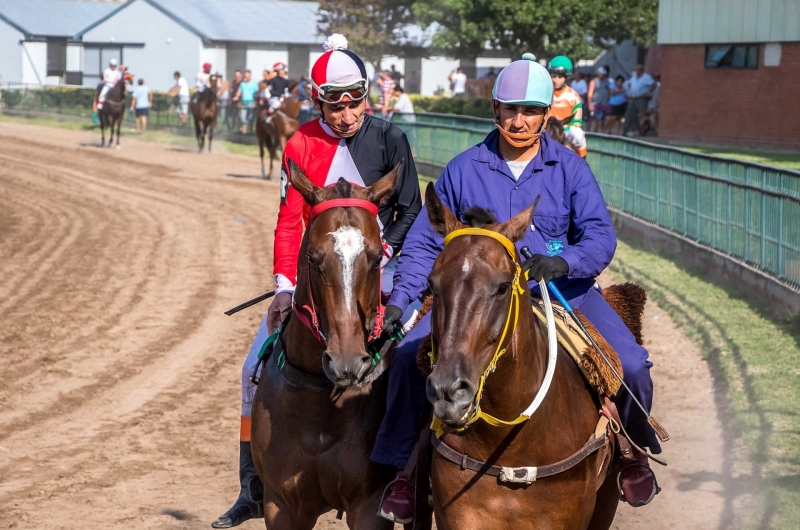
(250, 504)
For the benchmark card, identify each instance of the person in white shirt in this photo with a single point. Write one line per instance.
(203, 79)
(111, 77)
(403, 110)
(639, 89)
(580, 85)
(181, 89)
(458, 83)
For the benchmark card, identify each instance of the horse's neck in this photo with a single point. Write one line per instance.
(519, 373)
(303, 350)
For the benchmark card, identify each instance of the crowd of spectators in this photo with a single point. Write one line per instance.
(620, 106)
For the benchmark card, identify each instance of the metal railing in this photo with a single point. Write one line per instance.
(748, 211)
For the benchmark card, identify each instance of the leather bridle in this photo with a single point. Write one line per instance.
(307, 314)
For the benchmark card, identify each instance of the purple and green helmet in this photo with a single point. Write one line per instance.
(524, 82)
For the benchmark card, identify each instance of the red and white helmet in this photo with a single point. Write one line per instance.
(338, 73)
(278, 66)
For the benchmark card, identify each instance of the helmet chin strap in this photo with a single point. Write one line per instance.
(520, 140)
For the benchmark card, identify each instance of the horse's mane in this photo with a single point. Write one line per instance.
(479, 217)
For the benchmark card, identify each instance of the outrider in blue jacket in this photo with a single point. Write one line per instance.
(571, 219)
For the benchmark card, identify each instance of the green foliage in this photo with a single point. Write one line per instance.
(479, 107)
(68, 98)
(578, 28)
(373, 27)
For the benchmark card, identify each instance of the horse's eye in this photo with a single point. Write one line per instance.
(377, 261)
(503, 289)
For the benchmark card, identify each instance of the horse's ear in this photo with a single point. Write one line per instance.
(311, 193)
(441, 217)
(515, 227)
(566, 121)
(382, 191)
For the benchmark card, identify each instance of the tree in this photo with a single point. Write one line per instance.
(578, 28)
(374, 28)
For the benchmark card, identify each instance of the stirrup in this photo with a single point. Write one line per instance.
(652, 476)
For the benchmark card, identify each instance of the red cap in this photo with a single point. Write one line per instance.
(206, 66)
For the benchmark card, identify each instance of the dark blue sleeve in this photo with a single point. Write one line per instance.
(592, 237)
(420, 249)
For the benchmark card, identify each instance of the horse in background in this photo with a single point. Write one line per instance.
(273, 132)
(113, 110)
(205, 108)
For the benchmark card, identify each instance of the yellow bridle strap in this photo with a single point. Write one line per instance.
(508, 328)
(507, 244)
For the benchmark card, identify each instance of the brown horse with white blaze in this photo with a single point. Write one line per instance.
(321, 398)
(473, 281)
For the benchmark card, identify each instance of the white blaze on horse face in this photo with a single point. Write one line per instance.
(465, 266)
(348, 243)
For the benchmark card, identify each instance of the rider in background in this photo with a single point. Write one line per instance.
(278, 86)
(111, 77)
(344, 143)
(203, 79)
(573, 241)
(567, 102)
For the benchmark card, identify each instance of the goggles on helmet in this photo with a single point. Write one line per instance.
(558, 70)
(335, 94)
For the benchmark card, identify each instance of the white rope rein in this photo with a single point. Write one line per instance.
(552, 353)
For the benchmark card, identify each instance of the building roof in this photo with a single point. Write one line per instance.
(52, 18)
(269, 21)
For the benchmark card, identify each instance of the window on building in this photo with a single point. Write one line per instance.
(95, 60)
(732, 56)
(56, 57)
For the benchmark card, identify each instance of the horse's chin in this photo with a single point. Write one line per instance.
(453, 417)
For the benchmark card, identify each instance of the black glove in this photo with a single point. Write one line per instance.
(546, 267)
(391, 316)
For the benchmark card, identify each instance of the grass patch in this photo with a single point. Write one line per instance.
(783, 159)
(755, 361)
(47, 122)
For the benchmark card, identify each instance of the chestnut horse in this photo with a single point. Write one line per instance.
(475, 285)
(205, 107)
(274, 133)
(113, 110)
(321, 398)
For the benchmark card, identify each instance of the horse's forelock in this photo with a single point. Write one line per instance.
(342, 189)
(479, 217)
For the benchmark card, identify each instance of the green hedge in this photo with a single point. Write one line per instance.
(69, 97)
(478, 107)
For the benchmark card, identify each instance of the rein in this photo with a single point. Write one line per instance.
(310, 318)
(512, 319)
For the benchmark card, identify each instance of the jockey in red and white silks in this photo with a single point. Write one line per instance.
(344, 143)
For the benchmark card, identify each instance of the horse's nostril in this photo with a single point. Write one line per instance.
(461, 390)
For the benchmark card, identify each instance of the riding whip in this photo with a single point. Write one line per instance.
(662, 434)
(249, 303)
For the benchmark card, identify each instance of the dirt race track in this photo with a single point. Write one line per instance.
(119, 374)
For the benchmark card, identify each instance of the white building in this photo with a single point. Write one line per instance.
(36, 39)
(155, 38)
